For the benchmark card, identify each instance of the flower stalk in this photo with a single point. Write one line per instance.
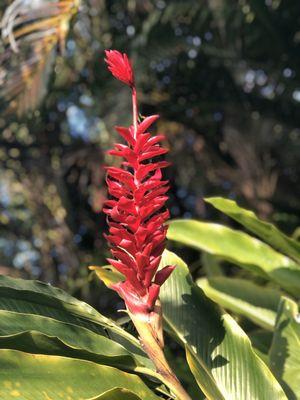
(136, 215)
(134, 111)
(153, 346)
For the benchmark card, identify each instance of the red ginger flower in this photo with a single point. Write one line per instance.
(136, 213)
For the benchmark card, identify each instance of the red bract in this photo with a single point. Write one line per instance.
(120, 66)
(136, 211)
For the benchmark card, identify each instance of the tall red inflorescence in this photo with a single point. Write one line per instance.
(136, 208)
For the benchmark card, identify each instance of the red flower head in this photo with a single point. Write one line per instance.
(136, 213)
(120, 66)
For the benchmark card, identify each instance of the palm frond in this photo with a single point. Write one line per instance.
(31, 33)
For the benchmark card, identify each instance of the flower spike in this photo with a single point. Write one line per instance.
(136, 216)
(136, 209)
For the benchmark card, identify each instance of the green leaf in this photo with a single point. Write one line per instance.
(183, 372)
(211, 265)
(209, 387)
(107, 274)
(219, 352)
(239, 248)
(33, 297)
(265, 230)
(40, 377)
(243, 297)
(40, 298)
(261, 342)
(285, 349)
(118, 394)
(44, 335)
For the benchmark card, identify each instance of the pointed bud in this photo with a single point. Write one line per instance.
(120, 66)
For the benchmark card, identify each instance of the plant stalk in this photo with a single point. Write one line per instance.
(134, 111)
(151, 342)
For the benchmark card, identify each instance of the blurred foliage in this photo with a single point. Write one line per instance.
(225, 77)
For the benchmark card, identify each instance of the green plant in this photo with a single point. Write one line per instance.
(265, 296)
(34, 31)
(44, 332)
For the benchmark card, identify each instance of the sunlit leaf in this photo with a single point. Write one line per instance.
(265, 230)
(239, 248)
(44, 335)
(243, 297)
(107, 274)
(40, 377)
(40, 299)
(118, 394)
(285, 349)
(219, 352)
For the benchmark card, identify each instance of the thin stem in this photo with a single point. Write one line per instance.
(134, 111)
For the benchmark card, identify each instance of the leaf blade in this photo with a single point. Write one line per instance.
(265, 230)
(43, 335)
(36, 376)
(222, 350)
(284, 353)
(257, 303)
(33, 297)
(239, 248)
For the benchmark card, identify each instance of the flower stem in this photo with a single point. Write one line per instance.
(134, 111)
(152, 346)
